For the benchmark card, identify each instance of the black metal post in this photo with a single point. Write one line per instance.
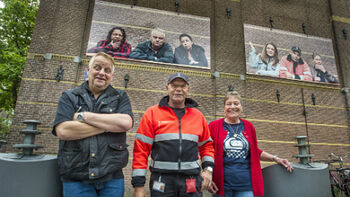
(278, 95)
(305, 116)
(228, 13)
(271, 22)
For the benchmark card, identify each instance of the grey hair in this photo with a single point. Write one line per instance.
(157, 30)
(232, 94)
(104, 55)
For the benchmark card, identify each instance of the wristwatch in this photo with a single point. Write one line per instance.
(209, 168)
(80, 117)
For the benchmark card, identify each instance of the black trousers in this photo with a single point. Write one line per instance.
(175, 185)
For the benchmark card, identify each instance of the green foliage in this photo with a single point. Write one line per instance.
(5, 122)
(17, 19)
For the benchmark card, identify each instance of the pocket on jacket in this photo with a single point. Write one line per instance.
(69, 160)
(119, 155)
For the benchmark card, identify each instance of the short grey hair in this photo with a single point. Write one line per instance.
(232, 94)
(157, 30)
(108, 57)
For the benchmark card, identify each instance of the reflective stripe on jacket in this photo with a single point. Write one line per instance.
(174, 145)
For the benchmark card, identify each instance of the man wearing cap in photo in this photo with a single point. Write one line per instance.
(175, 133)
(294, 67)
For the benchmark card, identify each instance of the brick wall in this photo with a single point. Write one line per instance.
(62, 28)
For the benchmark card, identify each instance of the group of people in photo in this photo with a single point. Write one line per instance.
(188, 155)
(155, 49)
(291, 66)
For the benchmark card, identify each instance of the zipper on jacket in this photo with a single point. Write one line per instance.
(180, 145)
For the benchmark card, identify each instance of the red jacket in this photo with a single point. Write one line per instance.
(174, 145)
(302, 70)
(218, 135)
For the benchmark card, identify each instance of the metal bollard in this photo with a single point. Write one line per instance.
(30, 132)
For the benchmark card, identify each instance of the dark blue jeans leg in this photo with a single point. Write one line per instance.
(112, 188)
(78, 189)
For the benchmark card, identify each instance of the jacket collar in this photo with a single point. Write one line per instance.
(189, 103)
(149, 45)
(84, 88)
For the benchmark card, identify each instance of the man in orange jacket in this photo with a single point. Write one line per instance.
(294, 67)
(175, 133)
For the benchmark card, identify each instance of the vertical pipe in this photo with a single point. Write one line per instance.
(305, 116)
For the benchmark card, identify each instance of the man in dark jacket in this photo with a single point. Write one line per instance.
(91, 123)
(154, 50)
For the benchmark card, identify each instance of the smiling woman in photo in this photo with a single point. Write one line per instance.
(266, 62)
(115, 44)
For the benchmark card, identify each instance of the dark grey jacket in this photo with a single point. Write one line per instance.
(96, 158)
(144, 51)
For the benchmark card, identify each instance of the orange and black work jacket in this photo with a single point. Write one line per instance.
(175, 144)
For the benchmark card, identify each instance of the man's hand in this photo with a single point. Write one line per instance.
(207, 180)
(213, 188)
(139, 192)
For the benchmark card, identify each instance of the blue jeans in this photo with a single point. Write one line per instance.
(230, 193)
(112, 188)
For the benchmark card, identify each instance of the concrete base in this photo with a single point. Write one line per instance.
(306, 180)
(35, 176)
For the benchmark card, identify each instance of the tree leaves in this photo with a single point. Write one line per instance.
(17, 19)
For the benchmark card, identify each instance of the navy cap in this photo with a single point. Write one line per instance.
(178, 75)
(296, 49)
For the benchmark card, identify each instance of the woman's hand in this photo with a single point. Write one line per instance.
(320, 67)
(114, 44)
(285, 163)
(251, 44)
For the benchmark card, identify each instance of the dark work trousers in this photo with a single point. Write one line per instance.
(175, 185)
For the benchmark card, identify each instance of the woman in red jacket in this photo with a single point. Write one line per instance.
(237, 171)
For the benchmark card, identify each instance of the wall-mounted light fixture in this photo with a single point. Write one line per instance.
(48, 56)
(228, 13)
(303, 27)
(134, 2)
(313, 98)
(278, 95)
(271, 22)
(345, 34)
(77, 59)
(126, 80)
(59, 74)
(215, 74)
(345, 90)
(177, 5)
(230, 88)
